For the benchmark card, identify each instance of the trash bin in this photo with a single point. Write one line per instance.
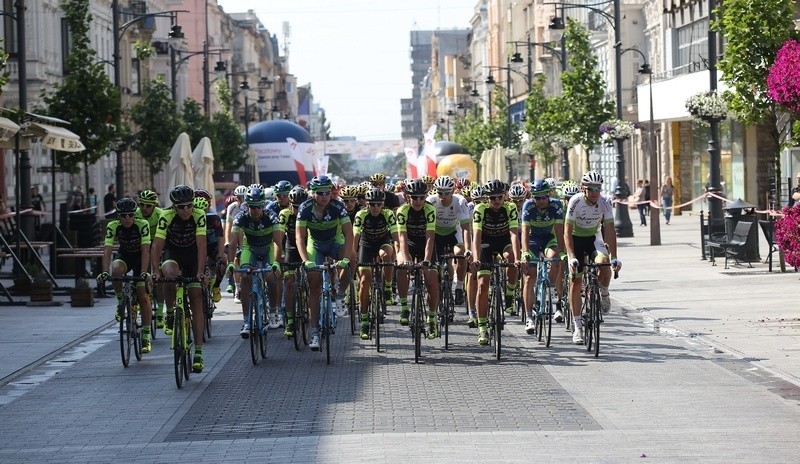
(742, 211)
(83, 224)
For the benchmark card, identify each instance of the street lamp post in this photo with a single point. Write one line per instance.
(714, 204)
(117, 31)
(175, 65)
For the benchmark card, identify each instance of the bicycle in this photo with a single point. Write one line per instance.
(352, 305)
(327, 317)
(181, 341)
(497, 286)
(591, 306)
(446, 310)
(377, 304)
(543, 302)
(130, 322)
(258, 312)
(417, 321)
(208, 305)
(300, 314)
(566, 305)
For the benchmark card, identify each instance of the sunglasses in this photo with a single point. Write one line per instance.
(146, 205)
(350, 200)
(542, 197)
(126, 215)
(593, 189)
(495, 197)
(417, 197)
(445, 192)
(324, 193)
(282, 195)
(255, 206)
(375, 204)
(185, 206)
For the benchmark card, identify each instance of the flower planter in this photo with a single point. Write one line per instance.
(42, 292)
(81, 297)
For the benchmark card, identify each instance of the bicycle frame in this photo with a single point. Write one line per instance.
(130, 323)
(181, 340)
(258, 311)
(327, 317)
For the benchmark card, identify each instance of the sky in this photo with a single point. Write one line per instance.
(355, 53)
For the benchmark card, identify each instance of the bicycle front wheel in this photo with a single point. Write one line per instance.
(352, 309)
(262, 335)
(178, 346)
(446, 308)
(418, 324)
(125, 340)
(497, 321)
(325, 313)
(136, 326)
(253, 316)
(547, 313)
(208, 311)
(597, 317)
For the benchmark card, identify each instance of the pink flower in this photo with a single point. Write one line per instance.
(787, 235)
(783, 80)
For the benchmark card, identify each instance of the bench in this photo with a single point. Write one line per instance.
(80, 255)
(735, 247)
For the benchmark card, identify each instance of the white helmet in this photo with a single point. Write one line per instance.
(444, 183)
(551, 182)
(517, 191)
(270, 193)
(592, 177)
(240, 191)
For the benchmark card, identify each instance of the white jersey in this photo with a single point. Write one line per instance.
(233, 210)
(587, 219)
(449, 218)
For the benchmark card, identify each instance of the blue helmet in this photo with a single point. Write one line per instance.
(540, 187)
(255, 197)
(321, 183)
(283, 187)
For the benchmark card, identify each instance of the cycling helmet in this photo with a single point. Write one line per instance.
(416, 187)
(444, 183)
(476, 192)
(377, 178)
(466, 192)
(240, 191)
(181, 194)
(298, 195)
(255, 197)
(349, 192)
(201, 203)
(203, 193)
(551, 182)
(539, 187)
(375, 194)
(126, 205)
(592, 178)
(465, 182)
(569, 190)
(269, 193)
(494, 187)
(283, 187)
(321, 183)
(254, 186)
(427, 179)
(148, 197)
(517, 191)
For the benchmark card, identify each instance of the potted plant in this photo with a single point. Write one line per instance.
(82, 295)
(616, 129)
(707, 106)
(42, 288)
(22, 286)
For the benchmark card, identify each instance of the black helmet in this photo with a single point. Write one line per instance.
(417, 187)
(181, 194)
(126, 205)
(375, 195)
(494, 187)
(298, 195)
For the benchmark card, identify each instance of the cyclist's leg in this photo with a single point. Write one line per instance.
(314, 286)
(511, 279)
(461, 268)
(482, 300)
(118, 269)
(432, 285)
(556, 281)
(245, 287)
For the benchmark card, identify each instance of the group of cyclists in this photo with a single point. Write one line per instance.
(426, 221)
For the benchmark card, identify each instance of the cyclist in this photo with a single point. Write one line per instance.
(416, 236)
(348, 195)
(453, 228)
(428, 181)
(180, 229)
(149, 211)
(256, 232)
(495, 227)
(232, 211)
(518, 194)
(542, 232)
(392, 201)
(362, 191)
(374, 232)
(287, 238)
(214, 235)
(587, 213)
(323, 230)
(133, 236)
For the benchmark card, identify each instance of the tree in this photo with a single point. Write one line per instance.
(754, 31)
(159, 125)
(545, 121)
(584, 90)
(227, 143)
(196, 123)
(86, 98)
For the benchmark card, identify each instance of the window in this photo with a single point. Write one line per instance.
(691, 51)
(136, 87)
(9, 29)
(66, 45)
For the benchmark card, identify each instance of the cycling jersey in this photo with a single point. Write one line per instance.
(375, 229)
(131, 238)
(179, 234)
(495, 224)
(449, 219)
(325, 226)
(416, 225)
(276, 208)
(257, 232)
(233, 210)
(288, 220)
(152, 220)
(587, 219)
(541, 222)
(214, 229)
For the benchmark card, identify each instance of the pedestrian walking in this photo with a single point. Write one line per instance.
(110, 201)
(667, 189)
(639, 196)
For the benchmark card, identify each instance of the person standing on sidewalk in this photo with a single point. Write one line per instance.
(639, 196)
(108, 202)
(667, 189)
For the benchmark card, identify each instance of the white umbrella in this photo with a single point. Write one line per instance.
(203, 164)
(180, 163)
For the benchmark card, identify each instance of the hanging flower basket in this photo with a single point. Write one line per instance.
(707, 106)
(787, 235)
(616, 129)
(783, 80)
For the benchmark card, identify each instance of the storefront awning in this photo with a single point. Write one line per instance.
(7, 128)
(57, 138)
